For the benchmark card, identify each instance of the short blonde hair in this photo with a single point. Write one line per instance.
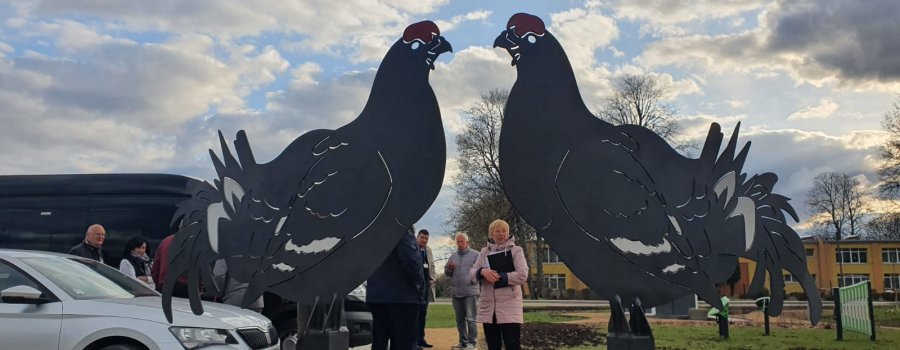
(497, 223)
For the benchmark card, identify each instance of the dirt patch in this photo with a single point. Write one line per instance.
(550, 336)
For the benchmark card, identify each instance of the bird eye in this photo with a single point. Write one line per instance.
(532, 39)
(415, 45)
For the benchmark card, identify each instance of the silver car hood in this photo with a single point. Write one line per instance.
(149, 308)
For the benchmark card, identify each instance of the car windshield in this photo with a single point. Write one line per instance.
(84, 279)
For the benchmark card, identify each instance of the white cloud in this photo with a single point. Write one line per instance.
(459, 83)
(447, 26)
(824, 109)
(682, 11)
(737, 103)
(616, 52)
(71, 35)
(820, 43)
(581, 32)
(108, 104)
(323, 26)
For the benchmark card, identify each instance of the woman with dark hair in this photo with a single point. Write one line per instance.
(135, 261)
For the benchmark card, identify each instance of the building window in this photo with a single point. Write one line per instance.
(892, 281)
(852, 255)
(548, 256)
(557, 282)
(850, 279)
(789, 278)
(810, 252)
(890, 255)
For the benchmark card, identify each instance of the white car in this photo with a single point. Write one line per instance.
(59, 301)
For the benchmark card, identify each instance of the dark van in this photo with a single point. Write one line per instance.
(52, 212)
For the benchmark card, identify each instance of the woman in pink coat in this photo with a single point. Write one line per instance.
(500, 305)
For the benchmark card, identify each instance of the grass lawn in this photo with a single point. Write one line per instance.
(671, 337)
(442, 316)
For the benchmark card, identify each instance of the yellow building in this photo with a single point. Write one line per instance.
(558, 279)
(878, 261)
(875, 261)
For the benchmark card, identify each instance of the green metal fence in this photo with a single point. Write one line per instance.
(853, 309)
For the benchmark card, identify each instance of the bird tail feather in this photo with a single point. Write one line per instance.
(776, 246)
(192, 253)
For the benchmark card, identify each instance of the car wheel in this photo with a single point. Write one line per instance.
(120, 347)
(287, 332)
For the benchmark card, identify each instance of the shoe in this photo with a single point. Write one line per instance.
(471, 347)
(457, 346)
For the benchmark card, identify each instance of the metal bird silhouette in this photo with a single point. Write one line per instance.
(316, 221)
(635, 220)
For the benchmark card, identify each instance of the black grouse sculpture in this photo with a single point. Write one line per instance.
(316, 221)
(638, 222)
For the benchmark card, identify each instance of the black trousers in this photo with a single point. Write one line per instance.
(395, 323)
(423, 311)
(496, 335)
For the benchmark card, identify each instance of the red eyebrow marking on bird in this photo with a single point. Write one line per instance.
(423, 31)
(525, 23)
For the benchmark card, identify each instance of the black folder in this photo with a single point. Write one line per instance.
(501, 261)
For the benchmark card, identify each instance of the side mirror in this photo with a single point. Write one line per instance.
(21, 295)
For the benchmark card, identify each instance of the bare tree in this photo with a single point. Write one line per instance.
(643, 100)
(884, 226)
(838, 201)
(889, 171)
(480, 198)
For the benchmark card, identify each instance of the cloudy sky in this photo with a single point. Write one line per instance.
(143, 86)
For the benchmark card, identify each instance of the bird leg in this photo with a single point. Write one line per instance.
(638, 322)
(331, 310)
(618, 324)
(309, 317)
(624, 334)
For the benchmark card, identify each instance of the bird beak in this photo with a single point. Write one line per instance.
(503, 40)
(441, 45)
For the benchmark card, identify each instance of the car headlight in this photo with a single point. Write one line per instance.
(192, 338)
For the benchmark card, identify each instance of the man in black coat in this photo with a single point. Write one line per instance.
(393, 293)
(91, 246)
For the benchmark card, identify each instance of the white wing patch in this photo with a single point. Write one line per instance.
(316, 246)
(673, 269)
(636, 247)
(726, 183)
(214, 212)
(232, 189)
(283, 267)
(280, 224)
(746, 208)
(675, 224)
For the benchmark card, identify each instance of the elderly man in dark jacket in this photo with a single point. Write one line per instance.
(393, 293)
(91, 246)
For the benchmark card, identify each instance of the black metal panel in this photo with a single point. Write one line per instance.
(52, 212)
(628, 214)
(91, 184)
(316, 221)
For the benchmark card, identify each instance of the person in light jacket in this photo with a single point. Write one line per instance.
(464, 291)
(500, 308)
